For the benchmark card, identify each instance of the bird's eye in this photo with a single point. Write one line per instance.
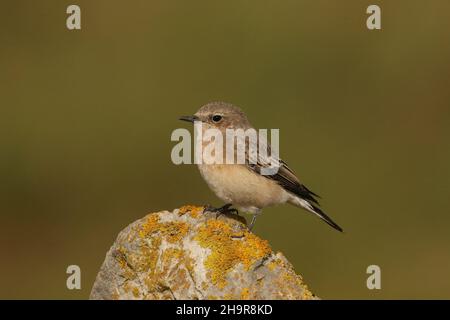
(216, 118)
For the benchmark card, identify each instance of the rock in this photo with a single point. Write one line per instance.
(189, 254)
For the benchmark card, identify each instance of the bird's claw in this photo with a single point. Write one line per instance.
(222, 210)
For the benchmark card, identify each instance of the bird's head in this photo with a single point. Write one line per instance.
(220, 115)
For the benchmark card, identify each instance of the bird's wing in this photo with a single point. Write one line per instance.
(285, 177)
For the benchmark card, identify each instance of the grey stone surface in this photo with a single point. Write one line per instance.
(189, 254)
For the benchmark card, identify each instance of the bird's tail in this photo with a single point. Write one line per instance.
(316, 210)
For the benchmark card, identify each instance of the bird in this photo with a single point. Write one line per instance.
(242, 185)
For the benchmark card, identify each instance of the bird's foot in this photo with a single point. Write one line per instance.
(222, 210)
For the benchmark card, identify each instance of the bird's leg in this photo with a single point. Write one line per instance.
(252, 223)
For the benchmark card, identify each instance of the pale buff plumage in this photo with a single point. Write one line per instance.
(236, 184)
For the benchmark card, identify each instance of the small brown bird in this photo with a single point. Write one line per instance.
(242, 185)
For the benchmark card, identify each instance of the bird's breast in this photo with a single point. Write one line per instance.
(242, 187)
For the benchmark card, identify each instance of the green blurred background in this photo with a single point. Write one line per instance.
(364, 119)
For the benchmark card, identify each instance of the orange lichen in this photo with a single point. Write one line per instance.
(158, 263)
(169, 261)
(127, 287)
(307, 295)
(121, 257)
(115, 295)
(229, 248)
(148, 258)
(228, 296)
(149, 226)
(272, 265)
(194, 211)
(292, 279)
(136, 292)
(166, 270)
(171, 231)
(288, 278)
(174, 231)
(245, 293)
(170, 254)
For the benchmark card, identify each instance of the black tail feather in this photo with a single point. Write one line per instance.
(322, 215)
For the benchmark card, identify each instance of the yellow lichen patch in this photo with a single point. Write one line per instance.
(228, 296)
(245, 293)
(194, 211)
(136, 292)
(169, 265)
(171, 254)
(115, 295)
(174, 231)
(148, 258)
(158, 264)
(121, 257)
(293, 279)
(307, 295)
(189, 264)
(228, 251)
(171, 231)
(272, 265)
(180, 280)
(253, 249)
(149, 226)
(151, 282)
(288, 278)
(127, 287)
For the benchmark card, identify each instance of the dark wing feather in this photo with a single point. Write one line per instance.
(285, 177)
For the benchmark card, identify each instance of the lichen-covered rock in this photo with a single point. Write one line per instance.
(189, 254)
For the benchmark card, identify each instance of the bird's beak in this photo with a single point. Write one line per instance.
(189, 118)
